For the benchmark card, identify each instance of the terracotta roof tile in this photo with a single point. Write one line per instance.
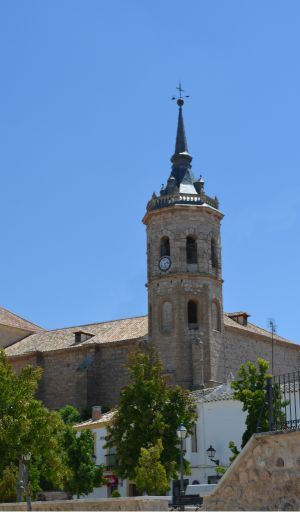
(109, 332)
(254, 329)
(105, 332)
(10, 319)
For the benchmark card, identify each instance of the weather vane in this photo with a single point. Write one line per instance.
(180, 97)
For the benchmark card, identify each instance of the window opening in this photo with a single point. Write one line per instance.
(191, 250)
(164, 246)
(215, 313)
(192, 315)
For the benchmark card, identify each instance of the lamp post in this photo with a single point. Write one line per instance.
(181, 434)
(20, 484)
(25, 462)
(211, 452)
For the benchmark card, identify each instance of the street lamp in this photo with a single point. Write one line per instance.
(25, 462)
(211, 452)
(181, 434)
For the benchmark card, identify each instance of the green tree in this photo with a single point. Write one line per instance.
(151, 476)
(26, 426)
(70, 415)
(149, 409)
(250, 388)
(79, 452)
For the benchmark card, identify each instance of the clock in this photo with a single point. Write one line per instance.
(164, 263)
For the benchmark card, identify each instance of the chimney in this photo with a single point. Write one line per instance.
(96, 412)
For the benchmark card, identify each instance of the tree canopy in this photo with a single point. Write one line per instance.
(149, 409)
(58, 457)
(27, 427)
(151, 476)
(250, 388)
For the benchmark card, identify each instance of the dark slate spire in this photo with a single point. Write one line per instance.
(181, 186)
(181, 143)
(181, 178)
(181, 147)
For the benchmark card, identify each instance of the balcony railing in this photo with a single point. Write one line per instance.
(164, 201)
(110, 460)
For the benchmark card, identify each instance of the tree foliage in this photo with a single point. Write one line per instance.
(250, 388)
(27, 427)
(79, 453)
(59, 458)
(70, 415)
(149, 409)
(151, 476)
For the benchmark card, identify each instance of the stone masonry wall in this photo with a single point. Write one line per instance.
(108, 373)
(186, 353)
(265, 476)
(82, 377)
(240, 347)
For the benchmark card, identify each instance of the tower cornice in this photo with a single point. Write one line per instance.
(180, 206)
(183, 276)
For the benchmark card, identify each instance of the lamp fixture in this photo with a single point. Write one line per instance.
(211, 452)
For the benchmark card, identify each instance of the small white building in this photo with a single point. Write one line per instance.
(220, 420)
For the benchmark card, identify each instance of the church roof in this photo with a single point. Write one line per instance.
(112, 332)
(11, 320)
(104, 332)
(254, 329)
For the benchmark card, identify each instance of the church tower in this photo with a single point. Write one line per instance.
(184, 280)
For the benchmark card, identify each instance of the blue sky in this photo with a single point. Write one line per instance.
(87, 131)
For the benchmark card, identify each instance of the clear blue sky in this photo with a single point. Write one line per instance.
(87, 130)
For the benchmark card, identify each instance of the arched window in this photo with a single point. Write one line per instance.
(215, 316)
(164, 246)
(213, 253)
(192, 314)
(167, 316)
(191, 250)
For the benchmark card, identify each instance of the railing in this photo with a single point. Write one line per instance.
(110, 461)
(163, 201)
(288, 385)
(281, 404)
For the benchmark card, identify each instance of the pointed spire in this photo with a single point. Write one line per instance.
(181, 142)
(181, 156)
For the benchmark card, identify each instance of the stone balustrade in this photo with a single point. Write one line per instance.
(164, 201)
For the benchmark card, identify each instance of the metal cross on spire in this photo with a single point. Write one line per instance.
(180, 97)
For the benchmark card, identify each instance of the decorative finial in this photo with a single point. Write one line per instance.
(179, 98)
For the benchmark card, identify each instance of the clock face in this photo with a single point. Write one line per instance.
(165, 263)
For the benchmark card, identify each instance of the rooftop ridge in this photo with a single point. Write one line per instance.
(20, 318)
(96, 323)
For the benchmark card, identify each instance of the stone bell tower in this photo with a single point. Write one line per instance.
(185, 304)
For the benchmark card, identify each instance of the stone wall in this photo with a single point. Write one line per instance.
(191, 354)
(241, 346)
(81, 376)
(265, 476)
(138, 503)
